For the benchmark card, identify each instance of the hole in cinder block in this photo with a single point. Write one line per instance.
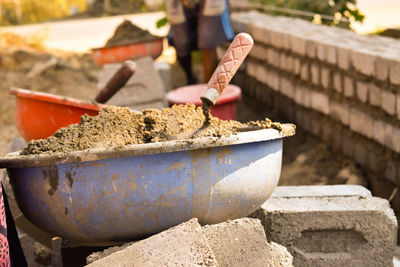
(329, 241)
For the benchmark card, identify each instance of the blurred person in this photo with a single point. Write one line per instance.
(198, 25)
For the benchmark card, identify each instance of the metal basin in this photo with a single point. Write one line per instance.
(108, 196)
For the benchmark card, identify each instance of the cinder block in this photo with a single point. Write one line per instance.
(389, 102)
(315, 70)
(362, 91)
(287, 87)
(320, 102)
(242, 242)
(382, 68)
(302, 96)
(374, 95)
(395, 72)
(363, 62)
(325, 77)
(361, 122)
(182, 245)
(340, 111)
(348, 84)
(337, 82)
(329, 228)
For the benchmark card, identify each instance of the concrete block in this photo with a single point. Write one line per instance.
(343, 56)
(315, 73)
(325, 77)
(287, 87)
(304, 72)
(145, 86)
(382, 68)
(389, 102)
(320, 102)
(362, 91)
(395, 72)
(242, 242)
(364, 62)
(183, 245)
(340, 111)
(337, 82)
(374, 95)
(348, 86)
(318, 230)
(383, 133)
(302, 96)
(361, 122)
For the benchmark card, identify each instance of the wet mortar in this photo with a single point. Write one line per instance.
(117, 127)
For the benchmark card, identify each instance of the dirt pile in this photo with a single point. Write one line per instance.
(128, 33)
(117, 127)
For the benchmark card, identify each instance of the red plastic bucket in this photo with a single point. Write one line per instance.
(225, 108)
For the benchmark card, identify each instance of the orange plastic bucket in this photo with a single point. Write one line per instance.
(39, 115)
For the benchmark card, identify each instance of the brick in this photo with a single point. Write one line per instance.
(375, 95)
(282, 61)
(395, 72)
(326, 132)
(362, 91)
(287, 87)
(252, 68)
(325, 77)
(348, 86)
(337, 82)
(396, 139)
(182, 245)
(273, 80)
(311, 49)
(305, 73)
(242, 242)
(398, 105)
(296, 66)
(389, 102)
(390, 171)
(361, 122)
(289, 64)
(257, 32)
(348, 143)
(320, 102)
(261, 73)
(383, 133)
(273, 57)
(330, 54)
(258, 52)
(298, 45)
(315, 127)
(382, 68)
(302, 96)
(278, 39)
(319, 229)
(360, 153)
(340, 111)
(363, 62)
(343, 55)
(337, 141)
(315, 77)
(376, 159)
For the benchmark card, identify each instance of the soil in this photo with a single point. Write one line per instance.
(128, 33)
(118, 127)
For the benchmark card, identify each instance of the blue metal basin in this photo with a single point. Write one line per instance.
(108, 196)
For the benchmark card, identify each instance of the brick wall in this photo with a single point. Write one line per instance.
(337, 85)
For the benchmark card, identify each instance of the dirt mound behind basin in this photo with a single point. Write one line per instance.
(127, 33)
(117, 127)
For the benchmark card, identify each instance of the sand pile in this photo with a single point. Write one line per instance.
(117, 127)
(127, 33)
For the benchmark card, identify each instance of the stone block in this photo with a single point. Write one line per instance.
(374, 95)
(395, 72)
(361, 122)
(364, 62)
(315, 73)
(287, 87)
(337, 82)
(348, 84)
(145, 86)
(320, 102)
(362, 91)
(340, 111)
(389, 102)
(321, 229)
(242, 242)
(181, 245)
(302, 96)
(325, 77)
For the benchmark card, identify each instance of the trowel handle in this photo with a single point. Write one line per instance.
(118, 80)
(227, 67)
